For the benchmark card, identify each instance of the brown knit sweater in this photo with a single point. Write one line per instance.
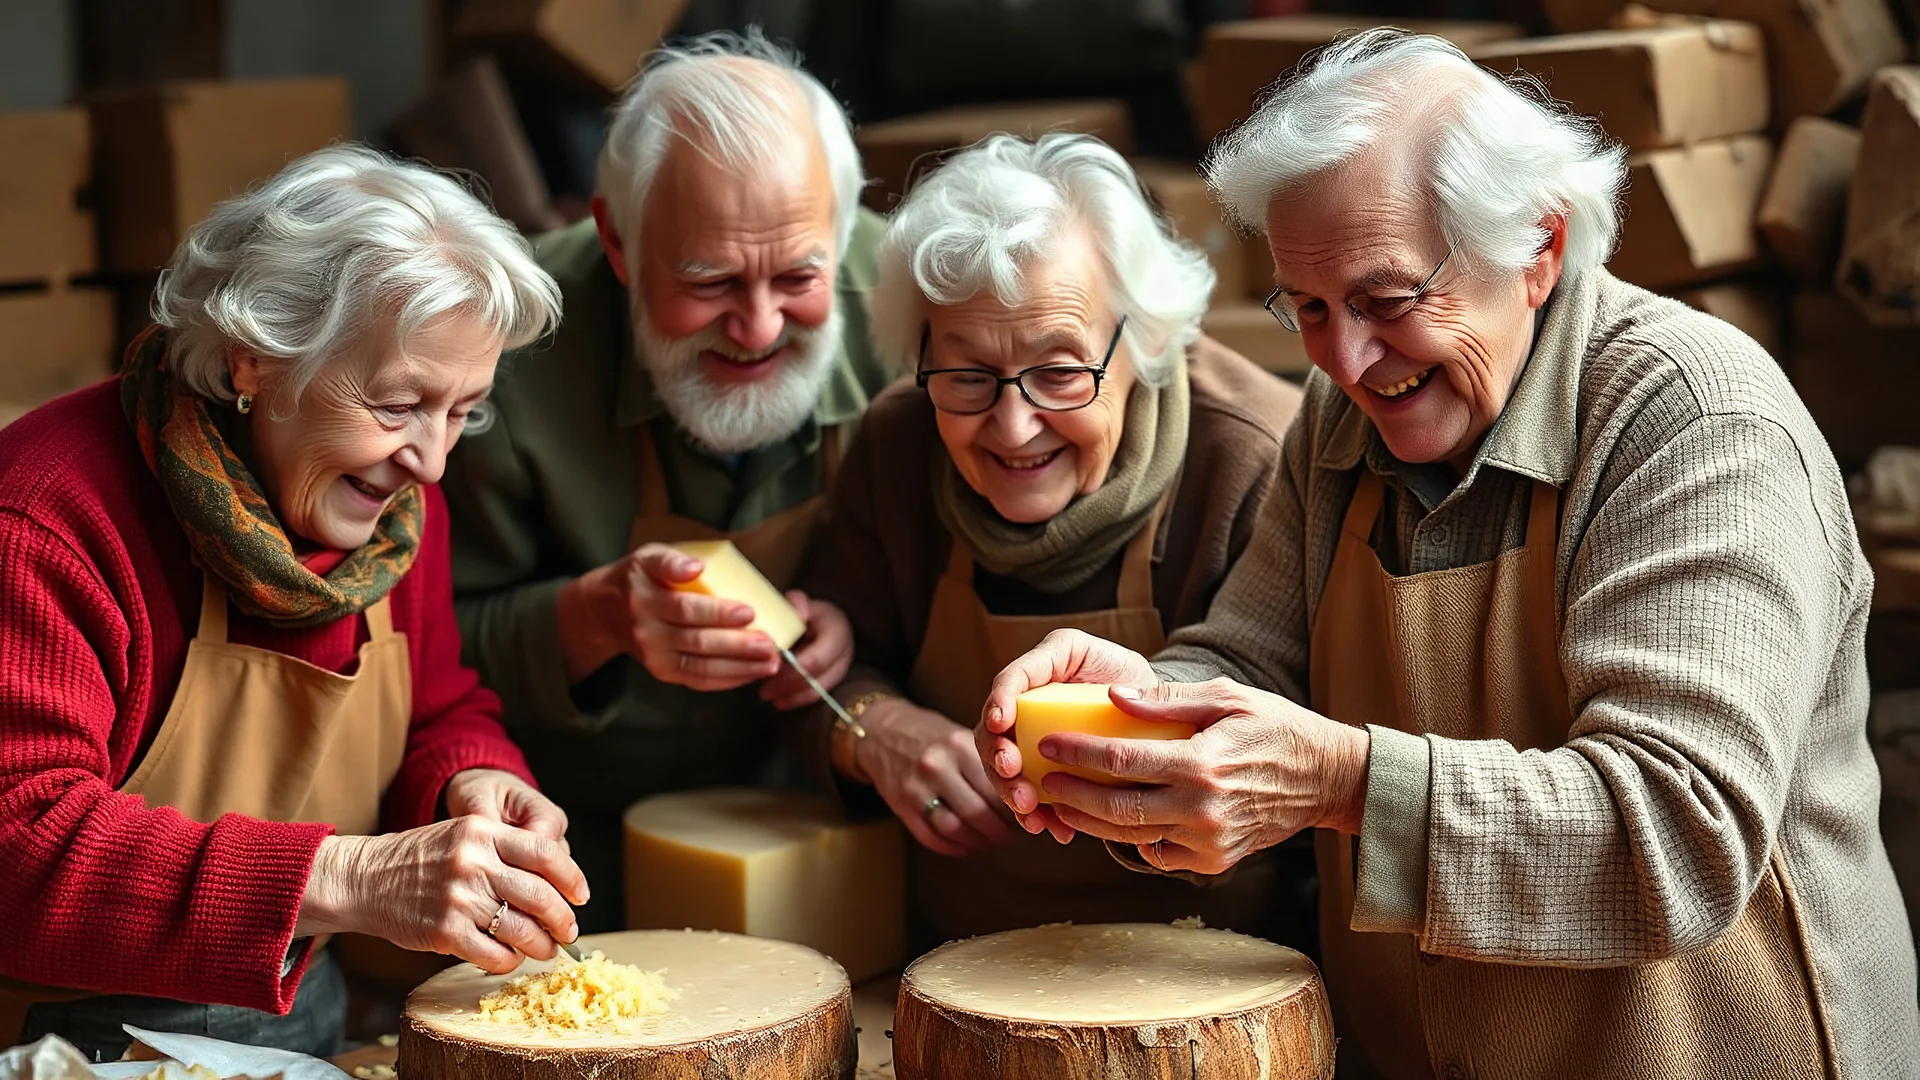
(881, 554)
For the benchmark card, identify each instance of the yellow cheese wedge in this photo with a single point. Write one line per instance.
(773, 864)
(729, 576)
(1082, 707)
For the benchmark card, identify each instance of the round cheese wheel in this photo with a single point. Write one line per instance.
(748, 1008)
(1116, 999)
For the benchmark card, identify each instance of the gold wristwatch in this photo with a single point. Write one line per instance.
(846, 737)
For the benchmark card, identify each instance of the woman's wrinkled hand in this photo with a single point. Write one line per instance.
(1260, 769)
(631, 607)
(915, 754)
(499, 795)
(436, 889)
(1063, 656)
(826, 652)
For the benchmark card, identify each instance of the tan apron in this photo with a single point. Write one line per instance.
(1032, 879)
(1471, 653)
(270, 736)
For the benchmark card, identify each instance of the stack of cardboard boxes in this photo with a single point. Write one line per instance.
(96, 197)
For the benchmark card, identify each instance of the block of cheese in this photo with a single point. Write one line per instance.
(729, 576)
(1081, 707)
(773, 864)
(1880, 256)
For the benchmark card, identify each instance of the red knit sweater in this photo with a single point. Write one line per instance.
(98, 599)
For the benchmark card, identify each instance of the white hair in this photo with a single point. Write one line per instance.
(700, 94)
(343, 247)
(1500, 156)
(981, 221)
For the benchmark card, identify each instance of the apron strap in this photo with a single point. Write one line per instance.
(1364, 507)
(1136, 565)
(380, 619)
(960, 562)
(213, 610)
(652, 481)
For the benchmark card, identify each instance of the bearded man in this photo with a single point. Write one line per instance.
(713, 355)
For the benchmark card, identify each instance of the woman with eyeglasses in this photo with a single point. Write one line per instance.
(1071, 453)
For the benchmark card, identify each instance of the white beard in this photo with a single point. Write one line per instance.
(733, 419)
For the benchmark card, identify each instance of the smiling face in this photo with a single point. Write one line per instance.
(1435, 379)
(1027, 462)
(370, 426)
(732, 289)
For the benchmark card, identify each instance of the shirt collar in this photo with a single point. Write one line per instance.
(1536, 434)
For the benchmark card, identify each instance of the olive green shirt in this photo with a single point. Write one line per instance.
(549, 492)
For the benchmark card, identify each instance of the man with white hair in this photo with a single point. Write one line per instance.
(1552, 627)
(713, 354)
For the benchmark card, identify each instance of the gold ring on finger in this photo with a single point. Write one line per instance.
(928, 808)
(493, 928)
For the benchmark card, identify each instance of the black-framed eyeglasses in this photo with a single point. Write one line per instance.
(1048, 387)
(1365, 306)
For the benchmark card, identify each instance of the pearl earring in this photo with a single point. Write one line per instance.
(245, 404)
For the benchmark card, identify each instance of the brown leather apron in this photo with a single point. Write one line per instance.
(270, 736)
(1032, 879)
(1471, 653)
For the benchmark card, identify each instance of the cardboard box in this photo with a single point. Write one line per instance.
(594, 45)
(1804, 209)
(1238, 60)
(52, 342)
(1820, 53)
(1690, 212)
(1181, 192)
(1880, 262)
(468, 121)
(1249, 330)
(46, 228)
(1756, 307)
(165, 155)
(1657, 87)
(897, 151)
(1845, 369)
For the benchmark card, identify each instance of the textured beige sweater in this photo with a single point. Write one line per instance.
(1712, 599)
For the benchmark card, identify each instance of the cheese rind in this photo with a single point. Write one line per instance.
(730, 576)
(774, 864)
(1077, 707)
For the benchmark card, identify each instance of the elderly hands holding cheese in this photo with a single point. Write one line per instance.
(1073, 454)
(231, 656)
(1556, 605)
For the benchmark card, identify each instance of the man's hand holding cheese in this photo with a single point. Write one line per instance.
(638, 606)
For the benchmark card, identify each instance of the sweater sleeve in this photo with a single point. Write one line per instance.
(101, 893)
(456, 721)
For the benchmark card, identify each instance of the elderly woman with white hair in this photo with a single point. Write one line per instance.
(1071, 453)
(1552, 627)
(233, 719)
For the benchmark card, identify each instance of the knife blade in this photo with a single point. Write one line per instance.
(572, 948)
(832, 702)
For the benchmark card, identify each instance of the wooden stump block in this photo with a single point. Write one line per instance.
(1140, 1000)
(749, 1009)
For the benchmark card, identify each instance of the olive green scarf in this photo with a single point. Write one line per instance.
(233, 530)
(1063, 552)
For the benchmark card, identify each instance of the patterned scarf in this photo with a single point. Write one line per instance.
(233, 529)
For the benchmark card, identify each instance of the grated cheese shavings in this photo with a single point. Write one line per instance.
(594, 993)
